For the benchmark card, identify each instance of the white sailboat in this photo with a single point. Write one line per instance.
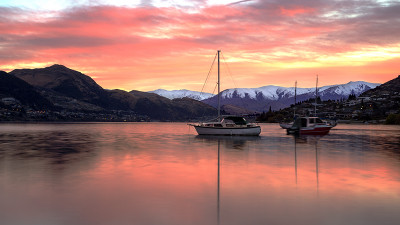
(226, 125)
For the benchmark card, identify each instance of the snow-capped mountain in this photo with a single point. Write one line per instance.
(271, 92)
(259, 99)
(344, 90)
(182, 93)
(267, 92)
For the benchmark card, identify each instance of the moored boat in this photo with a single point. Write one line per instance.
(309, 125)
(229, 125)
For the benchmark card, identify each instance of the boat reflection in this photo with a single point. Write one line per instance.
(313, 140)
(307, 139)
(229, 142)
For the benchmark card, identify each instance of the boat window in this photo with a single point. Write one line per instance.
(319, 120)
(228, 121)
(303, 122)
(217, 125)
(237, 120)
(312, 120)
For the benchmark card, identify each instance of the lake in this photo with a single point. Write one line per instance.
(164, 174)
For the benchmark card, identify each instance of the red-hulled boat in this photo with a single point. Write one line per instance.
(309, 125)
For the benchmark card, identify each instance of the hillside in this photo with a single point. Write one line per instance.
(375, 105)
(163, 108)
(391, 87)
(61, 81)
(22, 92)
(78, 97)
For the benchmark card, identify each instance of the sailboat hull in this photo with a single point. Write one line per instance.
(321, 130)
(240, 131)
(317, 130)
(285, 125)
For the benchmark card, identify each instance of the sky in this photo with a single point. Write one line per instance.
(159, 44)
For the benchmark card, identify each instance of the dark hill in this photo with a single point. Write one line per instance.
(69, 83)
(161, 108)
(389, 88)
(11, 86)
(165, 109)
(76, 92)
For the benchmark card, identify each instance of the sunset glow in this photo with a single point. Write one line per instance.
(146, 45)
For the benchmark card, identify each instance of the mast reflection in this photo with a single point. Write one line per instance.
(313, 140)
(218, 184)
(229, 142)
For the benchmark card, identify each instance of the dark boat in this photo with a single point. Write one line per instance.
(309, 125)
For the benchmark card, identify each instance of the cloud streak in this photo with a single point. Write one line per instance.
(239, 2)
(124, 46)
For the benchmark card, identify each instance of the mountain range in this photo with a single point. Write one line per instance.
(58, 88)
(260, 99)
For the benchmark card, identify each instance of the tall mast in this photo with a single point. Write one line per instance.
(219, 95)
(316, 95)
(295, 99)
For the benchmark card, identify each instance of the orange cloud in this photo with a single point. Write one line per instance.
(146, 48)
(295, 11)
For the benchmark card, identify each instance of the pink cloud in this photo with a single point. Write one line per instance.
(126, 46)
(295, 11)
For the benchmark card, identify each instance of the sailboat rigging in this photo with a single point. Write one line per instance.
(310, 125)
(226, 125)
(316, 96)
(285, 125)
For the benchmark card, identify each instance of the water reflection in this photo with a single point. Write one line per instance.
(225, 185)
(230, 142)
(218, 184)
(312, 140)
(58, 146)
(239, 143)
(162, 173)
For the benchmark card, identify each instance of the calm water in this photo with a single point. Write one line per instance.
(162, 173)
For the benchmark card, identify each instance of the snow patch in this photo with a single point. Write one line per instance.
(182, 94)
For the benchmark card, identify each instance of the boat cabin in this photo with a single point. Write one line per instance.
(230, 121)
(307, 122)
(236, 120)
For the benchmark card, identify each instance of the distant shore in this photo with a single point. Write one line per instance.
(361, 122)
(371, 122)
